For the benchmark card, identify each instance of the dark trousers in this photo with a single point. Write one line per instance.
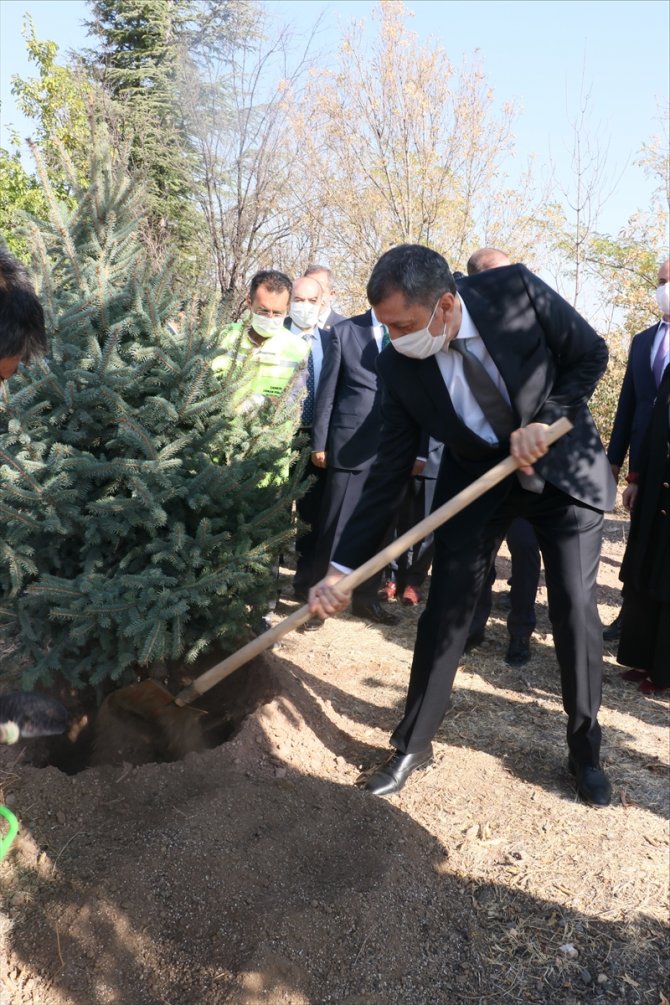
(525, 554)
(309, 508)
(412, 567)
(570, 536)
(341, 494)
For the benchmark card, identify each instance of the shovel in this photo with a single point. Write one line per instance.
(152, 702)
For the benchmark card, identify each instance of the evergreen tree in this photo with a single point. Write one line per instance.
(146, 47)
(142, 515)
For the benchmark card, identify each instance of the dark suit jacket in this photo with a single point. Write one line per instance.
(636, 400)
(347, 415)
(550, 360)
(332, 319)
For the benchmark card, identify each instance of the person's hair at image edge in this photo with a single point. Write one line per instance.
(272, 280)
(21, 316)
(420, 274)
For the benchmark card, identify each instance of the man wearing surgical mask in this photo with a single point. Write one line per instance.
(325, 277)
(307, 304)
(486, 368)
(275, 354)
(649, 355)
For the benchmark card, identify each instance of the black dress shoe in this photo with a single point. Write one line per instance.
(518, 652)
(613, 631)
(474, 640)
(374, 612)
(394, 772)
(592, 783)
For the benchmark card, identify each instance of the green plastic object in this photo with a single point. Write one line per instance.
(6, 841)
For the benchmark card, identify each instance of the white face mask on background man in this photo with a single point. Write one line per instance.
(662, 295)
(421, 344)
(267, 327)
(304, 314)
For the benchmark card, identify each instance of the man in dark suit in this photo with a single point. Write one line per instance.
(345, 441)
(326, 279)
(304, 310)
(648, 353)
(486, 369)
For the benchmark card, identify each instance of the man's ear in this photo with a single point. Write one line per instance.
(447, 302)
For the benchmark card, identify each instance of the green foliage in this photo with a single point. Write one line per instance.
(124, 541)
(19, 194)
(605, 398)
(139, 64)
(58, 100)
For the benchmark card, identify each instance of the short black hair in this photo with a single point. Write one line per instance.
(274, 280)
(21, 316)
(419, 273)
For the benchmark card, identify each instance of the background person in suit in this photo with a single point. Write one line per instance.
(645, 615)
(522, 543)
(647, 360)
(328, 316)
(486, 369)
(304, 310)
(345, 441)
(410, 571)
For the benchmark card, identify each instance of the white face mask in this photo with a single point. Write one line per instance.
(663, 297)
(421, 344)
(267, 327)
(324, 312)
(303, 314)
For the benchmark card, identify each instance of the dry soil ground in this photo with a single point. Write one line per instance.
(257, 872)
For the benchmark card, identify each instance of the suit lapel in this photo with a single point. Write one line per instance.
(524, 371)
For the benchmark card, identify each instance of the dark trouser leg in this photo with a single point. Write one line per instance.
(525, 552)
(484, 603)
(570, 538)
(308, 507)
(413, 565)
(457, 579)
(342, 492)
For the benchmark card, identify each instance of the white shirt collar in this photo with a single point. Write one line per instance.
(467, 329)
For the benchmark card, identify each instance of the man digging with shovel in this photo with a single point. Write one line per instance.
(485, 369)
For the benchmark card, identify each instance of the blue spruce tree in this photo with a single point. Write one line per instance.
(142, 510)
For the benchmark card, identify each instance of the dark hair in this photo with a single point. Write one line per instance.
(419, 273)
(312, 269)
(273, 280)
(21, 316)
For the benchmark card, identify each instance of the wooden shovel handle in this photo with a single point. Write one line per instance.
(375, 564)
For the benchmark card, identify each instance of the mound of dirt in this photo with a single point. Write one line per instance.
(256, 872)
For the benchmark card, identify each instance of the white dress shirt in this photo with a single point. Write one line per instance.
(313, 338)
(377, 329)
(658, 338)
(451, 368)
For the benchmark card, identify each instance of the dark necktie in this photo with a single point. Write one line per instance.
(386, 338)
(496, 411)
(661, 357)
(307, 417)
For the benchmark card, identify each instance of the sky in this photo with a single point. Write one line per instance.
(542, 55)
